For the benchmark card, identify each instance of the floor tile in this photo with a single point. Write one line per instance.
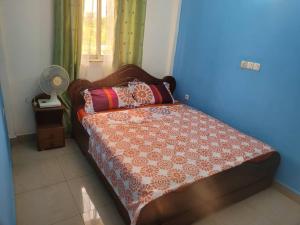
(275, 206)
(77, 220)
(74, 165)
(240, 214)
(27, 151)
(83, 200)
(107, 215)
(89, 193)
(32, 175)
(71, 147)
(92, 218)
(206, 221)
(45, 206)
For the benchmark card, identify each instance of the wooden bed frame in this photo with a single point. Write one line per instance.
(187, 204)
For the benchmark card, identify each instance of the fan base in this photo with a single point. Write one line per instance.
(48, 103)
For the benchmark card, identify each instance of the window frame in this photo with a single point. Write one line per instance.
(98, 57)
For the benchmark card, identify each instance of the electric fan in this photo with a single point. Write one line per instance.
(54, 81)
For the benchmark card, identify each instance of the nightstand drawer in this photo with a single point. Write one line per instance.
(50, 137)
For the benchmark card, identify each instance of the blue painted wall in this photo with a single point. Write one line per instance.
(214, 36)
(7, 201)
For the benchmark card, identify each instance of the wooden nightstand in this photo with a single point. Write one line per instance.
(49, 126)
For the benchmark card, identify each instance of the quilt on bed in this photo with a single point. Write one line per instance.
(147, 152)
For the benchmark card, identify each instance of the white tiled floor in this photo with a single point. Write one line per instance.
(58, 187)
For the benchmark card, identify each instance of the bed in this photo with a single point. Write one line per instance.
(181, 204)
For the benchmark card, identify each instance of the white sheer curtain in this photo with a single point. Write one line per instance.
(98, 37)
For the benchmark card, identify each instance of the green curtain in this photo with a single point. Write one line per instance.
(129, 32)
(67, 42)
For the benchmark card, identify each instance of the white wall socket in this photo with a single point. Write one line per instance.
(248, 65)
(244, 64)
(256, 67)
(187, 97)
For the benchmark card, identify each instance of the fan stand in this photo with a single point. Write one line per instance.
(48, 103)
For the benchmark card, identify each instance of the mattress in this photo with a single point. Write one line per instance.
(145, 153)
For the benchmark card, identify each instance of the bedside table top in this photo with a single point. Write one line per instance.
(36, 107)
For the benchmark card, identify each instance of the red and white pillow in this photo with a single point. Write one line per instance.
(145, 94)
(101, 99)
(136, 94)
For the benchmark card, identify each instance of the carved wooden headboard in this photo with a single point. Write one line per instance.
(119, 78)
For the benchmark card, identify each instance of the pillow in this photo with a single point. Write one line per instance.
(101, 99)
(145, 94)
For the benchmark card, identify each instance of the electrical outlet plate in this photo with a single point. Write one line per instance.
(187, 97)
(248, 65)
(244, 64)
(256, 67)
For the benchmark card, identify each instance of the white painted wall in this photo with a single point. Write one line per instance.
(160, 36)
(27, 38)
(27, 33)
(5, 84)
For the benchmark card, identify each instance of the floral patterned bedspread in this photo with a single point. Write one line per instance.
(147, 152)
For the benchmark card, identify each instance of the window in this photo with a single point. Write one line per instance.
(97, 28)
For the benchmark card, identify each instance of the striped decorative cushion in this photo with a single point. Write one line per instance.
(145, 94)
(102, 99)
